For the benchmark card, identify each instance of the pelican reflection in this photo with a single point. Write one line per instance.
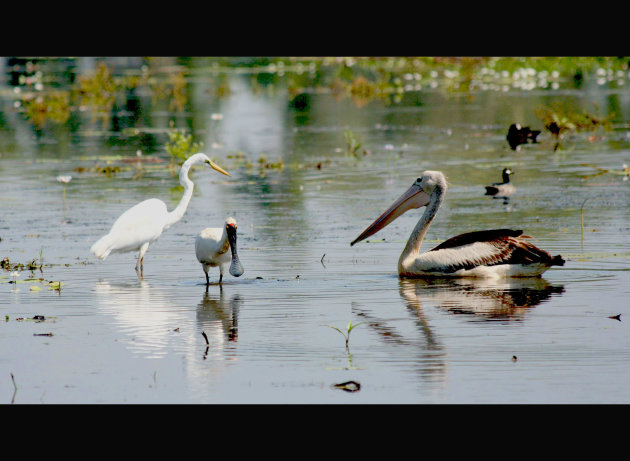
(415, 340)
(504, 299)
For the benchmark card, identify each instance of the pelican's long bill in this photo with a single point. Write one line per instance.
(414, 197)
(218, 168)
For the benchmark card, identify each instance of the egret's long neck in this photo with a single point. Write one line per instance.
(417, 235)
(177, 214)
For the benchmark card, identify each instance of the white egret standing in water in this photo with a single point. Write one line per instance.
(488, 253)
(212, 245)
(143, 223)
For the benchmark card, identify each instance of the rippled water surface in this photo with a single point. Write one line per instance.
(111, 337)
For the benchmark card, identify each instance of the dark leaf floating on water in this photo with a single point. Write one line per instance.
(348, 386)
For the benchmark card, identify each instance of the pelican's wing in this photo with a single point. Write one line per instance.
(488, 248)
(478, 236)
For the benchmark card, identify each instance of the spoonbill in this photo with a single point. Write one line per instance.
(489, 253)
(212, 245)
(143, 223)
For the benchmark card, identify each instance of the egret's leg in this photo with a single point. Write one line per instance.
(143, 250)
(220, 277)
(207, 279)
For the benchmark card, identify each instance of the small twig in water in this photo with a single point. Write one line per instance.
(582, 219)
(14, 388)
(203, 333)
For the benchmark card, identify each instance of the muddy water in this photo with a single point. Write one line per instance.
(111, 337)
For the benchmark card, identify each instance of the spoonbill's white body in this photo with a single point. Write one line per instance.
(216, 247)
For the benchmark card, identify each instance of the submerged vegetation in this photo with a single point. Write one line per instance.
(181, 146)
(110, 96)
(44, 97)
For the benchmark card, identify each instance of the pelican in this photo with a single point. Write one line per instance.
(143, 223)
(489, 253)
(502, 189)
(212, 245)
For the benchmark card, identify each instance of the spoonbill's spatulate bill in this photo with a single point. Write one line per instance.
(212, 245)
(488, 253)
(143, 223)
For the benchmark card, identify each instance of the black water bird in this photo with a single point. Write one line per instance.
(502, 189)
(518, 135)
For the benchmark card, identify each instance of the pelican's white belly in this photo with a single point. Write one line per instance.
(439, 263)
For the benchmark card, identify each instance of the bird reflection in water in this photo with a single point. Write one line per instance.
(502, 299)
(144, 315)
(218, 316)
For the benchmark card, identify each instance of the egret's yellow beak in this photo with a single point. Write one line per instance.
(218, 168)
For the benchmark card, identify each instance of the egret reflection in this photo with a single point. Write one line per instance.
(147, 317)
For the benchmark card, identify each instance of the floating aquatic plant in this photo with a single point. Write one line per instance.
(263, 163)
(352, 144)
(14, 275)
(559, 119)
(64, 179)
(17, 267)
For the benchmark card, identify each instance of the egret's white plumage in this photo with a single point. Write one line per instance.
(143, 223)
(489, 253)
(216, 246)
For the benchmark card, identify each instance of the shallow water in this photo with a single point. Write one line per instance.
(120, 339)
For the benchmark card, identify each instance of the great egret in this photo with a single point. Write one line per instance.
(489, 253)
(143, 223)
(212, 245)
(502, 189)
